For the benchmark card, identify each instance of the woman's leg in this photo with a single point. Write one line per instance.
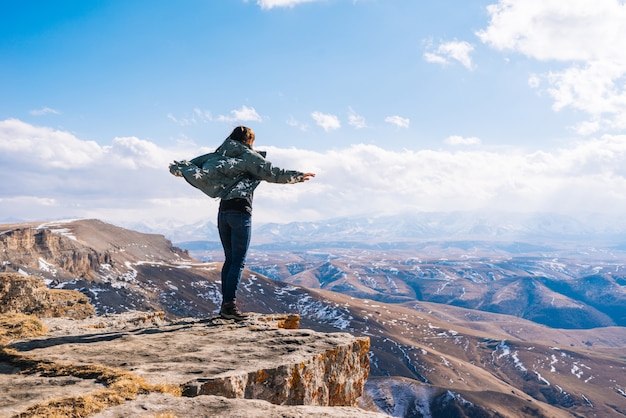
(235, 230)
(224, 231)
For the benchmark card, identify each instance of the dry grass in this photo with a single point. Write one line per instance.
(127, 388)
(14, 326)
(121, 386)
(67, 304)
(30, 295)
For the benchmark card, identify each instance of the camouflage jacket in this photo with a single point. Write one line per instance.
(233, 170)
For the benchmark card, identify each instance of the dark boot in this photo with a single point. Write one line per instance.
(230, 311)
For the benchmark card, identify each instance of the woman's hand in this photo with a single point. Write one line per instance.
(307, 176)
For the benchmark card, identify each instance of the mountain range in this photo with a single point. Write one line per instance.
(553, 270)
(444, 339)
(417, 226)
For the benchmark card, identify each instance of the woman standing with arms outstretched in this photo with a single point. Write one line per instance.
(232, 173)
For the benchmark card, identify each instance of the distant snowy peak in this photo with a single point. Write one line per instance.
(418, 226)
(448, 226)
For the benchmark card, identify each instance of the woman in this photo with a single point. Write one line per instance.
(232, 173)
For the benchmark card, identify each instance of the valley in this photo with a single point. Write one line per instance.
(574, 288)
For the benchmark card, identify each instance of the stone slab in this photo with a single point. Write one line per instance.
(253, 359)
(156, 404)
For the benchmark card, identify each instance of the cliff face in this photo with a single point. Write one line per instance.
(32, 247)
(118, 269)
(87, 249)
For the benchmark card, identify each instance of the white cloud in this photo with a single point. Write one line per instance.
(326, 121)
(293, 122)
(28, 201)
(197, 116)
(44, 111)
(44, 147)
(204, 115)
(182, 121)
(245, 114)
(269, 4)
(128, 181)
(133, 153)
(49, 149)
(534, 81)
(435, 59)
(459, 140)
(49, 173)
(455, 50)
(587, 37)
(561, 30)
(365, 179)
(399, 121)
(356, 120)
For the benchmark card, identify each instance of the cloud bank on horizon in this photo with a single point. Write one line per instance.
(127, 181)
(374, 152)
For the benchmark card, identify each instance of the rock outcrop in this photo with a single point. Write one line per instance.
(83, 364)
(29, 295)
(96, 360)
(165, 405)
(31, 246)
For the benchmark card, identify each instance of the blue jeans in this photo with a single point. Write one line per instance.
(235, 229)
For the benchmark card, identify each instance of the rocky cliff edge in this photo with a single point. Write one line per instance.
(142, 364)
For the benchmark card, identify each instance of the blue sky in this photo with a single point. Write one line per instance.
(404, 105)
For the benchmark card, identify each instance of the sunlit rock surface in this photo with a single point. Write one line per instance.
(262, 358)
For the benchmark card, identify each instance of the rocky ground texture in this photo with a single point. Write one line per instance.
(143, 364)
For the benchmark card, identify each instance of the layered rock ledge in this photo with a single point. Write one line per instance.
(264, 358)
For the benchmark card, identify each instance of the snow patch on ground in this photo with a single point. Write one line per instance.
(322, 311)
(47, 267)
(57, 228)
(506, 352)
